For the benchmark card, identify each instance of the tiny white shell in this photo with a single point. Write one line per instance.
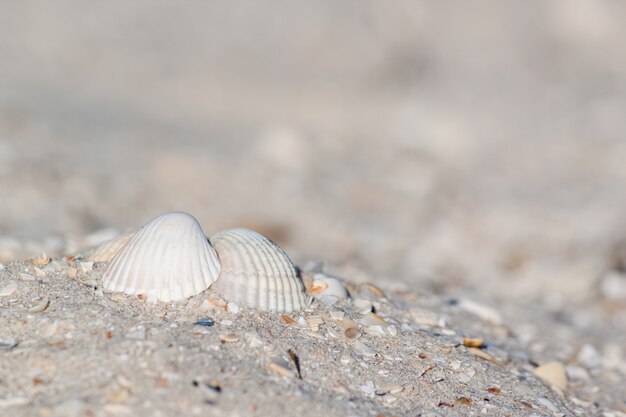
(329, 290)
(166, 260)
(256, 272)
(109, 249)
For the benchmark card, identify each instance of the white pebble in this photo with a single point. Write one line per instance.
(233, 307)
(9, 289)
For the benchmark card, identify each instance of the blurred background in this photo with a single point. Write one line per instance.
(470, 149)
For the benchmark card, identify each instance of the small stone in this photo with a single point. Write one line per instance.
(577, 373)
(7, 344)
(553, 373)
(473, 342)
(484, 312)
(368, 389)
(375, 290)
(466, 375)
(436, 374)
(233, 308)
(376, 331)
(2, 267)
(372, 319)
(229, 338)
(8, 289)
(71, 272)
(589, 356)
(463, 402)
(39, 273)
(389, 389)
(351, 329)
(363, 349)
(216, 302)
(424, 317)
(205, 321)
(281, 367)
(363, 306)
(337, 315)
(26, 277)
(40, 307)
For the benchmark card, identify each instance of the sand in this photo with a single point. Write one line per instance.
(71, 349)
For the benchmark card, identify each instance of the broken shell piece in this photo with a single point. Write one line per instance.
(215, 302)
(315, 322)
(373, 319)
(553, 373)
(424, 317)
(256, 272)
(166, 260)
(229, 338)
(39, 307)
(86, 266)
(327, 289)
(41, 261)
(281, 367)
(8, 289)
(108, 250)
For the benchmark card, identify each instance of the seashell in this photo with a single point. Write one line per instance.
(329, 290)
(108, 250)
(41, 261)
(256, 272)
(166, 260)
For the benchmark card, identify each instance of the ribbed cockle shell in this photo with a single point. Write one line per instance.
(256, 272)
(166, 260)
(110, 248)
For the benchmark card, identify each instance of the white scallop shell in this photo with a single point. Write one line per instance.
(109, 249)
(166, 260)
(256, 272)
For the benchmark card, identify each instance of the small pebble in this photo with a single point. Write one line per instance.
(233, 308)
(7, 344)
(424, 317)
(372, 319)
(281, 367)
(337, 315)
(363, 306)
(40, 307)
(484, 312)
(466, 375)
(205, 321)
(229, 338)
(363, 349)
(473, 342)
(375, 290)
(8, 289)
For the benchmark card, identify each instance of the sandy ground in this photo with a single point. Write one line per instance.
(472, 152)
